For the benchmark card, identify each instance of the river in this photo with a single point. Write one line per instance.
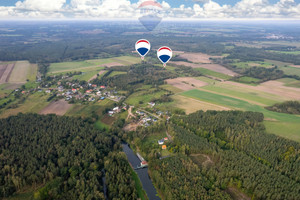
(142, 173)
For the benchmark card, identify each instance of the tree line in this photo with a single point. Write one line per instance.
(58, 157)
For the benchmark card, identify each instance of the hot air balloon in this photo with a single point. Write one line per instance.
(142, 47)
(164, 54)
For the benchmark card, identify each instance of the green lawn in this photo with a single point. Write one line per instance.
(292, 122)
(213, 73)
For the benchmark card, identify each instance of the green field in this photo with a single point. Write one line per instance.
(246, 95)
(86, 110)
(85, 76)
(252, 64)
(33, 104)
(290, 70)
(90, 65)
(292, 122)
(213, 73)
(115, 73)
(286, 52)
(247, 79)
(290, 82)
(145, 96)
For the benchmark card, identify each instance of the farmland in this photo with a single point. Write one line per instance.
(291, 122)
(22, 71)
(91, 65)
(15, 74)
(33, 104)
(198, 57)
(56, 107)
(141, 98)
(213, 67)
(190, 105)
(185, 83)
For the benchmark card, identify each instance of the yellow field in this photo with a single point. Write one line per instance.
(190, 105)
(22, 71)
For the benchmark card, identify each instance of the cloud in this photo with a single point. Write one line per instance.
(40, 5)
(87, 9)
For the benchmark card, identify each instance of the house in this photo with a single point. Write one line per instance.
(102, 98)
(144, 163)
(164, 147)
(151, 104)
(94, 85)
(116, 109)
(23, 92)
(166, 138)
(102, 87)
(140, 112)
(159, 113)
(110, 113)
(48, 91)
(88, 91)
(161, 142)
(74, 90)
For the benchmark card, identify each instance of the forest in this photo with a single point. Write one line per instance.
(255, 54)
(221, 150)
(58, 157)
(290, 107)
(141, 74)
(118, 177)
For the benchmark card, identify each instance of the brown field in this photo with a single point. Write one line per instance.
(5, 72)
(2, 70)
(213, 67)
(297, 66)
(186, 83)
(198, 57)
(20, 72)
(94, 77)
(191, 105)
(272, 87)
(112, 64)
(56, 107)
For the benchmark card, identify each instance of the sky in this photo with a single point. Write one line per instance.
(129, 9)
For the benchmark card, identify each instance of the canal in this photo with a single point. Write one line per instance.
(142, 173)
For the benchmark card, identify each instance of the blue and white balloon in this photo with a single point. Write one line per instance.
(142, 47)
(164, 54)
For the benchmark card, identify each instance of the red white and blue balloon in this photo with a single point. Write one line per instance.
(164, 54)
(142, 47)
